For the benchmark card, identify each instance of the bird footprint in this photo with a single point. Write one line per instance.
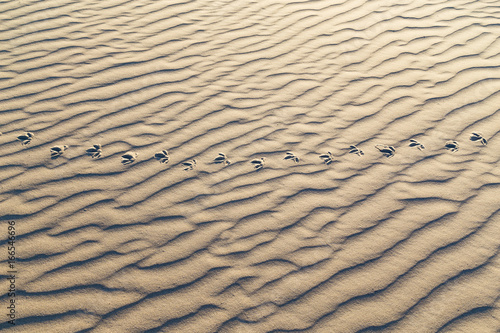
(129, 157)
(387, 151)
(222, 158)
(94, 151)
(189, 165)
(356, 150)
(415, 143)
(291, 156)
(327, 158)
(478, 137)
(57, 151)
(258, 163)
(162, 156)
(451, 145)
(26, 138)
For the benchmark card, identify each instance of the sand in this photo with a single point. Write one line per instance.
(407, 242)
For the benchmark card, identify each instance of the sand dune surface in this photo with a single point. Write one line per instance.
(388, 237)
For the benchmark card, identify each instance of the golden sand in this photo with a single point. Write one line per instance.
(291, 229)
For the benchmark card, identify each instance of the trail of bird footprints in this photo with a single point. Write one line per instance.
(163, 157)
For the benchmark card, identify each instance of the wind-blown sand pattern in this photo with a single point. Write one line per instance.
(362, 244)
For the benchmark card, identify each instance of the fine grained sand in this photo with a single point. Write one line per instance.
(364, 244)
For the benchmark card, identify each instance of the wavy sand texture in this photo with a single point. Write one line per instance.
(364, 244)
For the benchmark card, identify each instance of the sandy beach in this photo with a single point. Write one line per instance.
(245, 166)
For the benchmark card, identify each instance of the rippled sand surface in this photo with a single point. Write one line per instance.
(363, 244)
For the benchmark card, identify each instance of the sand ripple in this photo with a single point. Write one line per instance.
(361, 244)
